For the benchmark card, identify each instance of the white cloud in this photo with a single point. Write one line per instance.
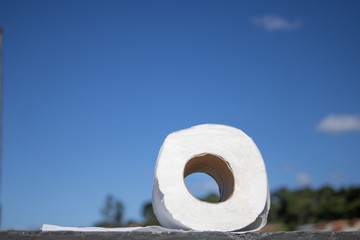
(340, 123)
(337, 177)
(276, 23)
(303, 178)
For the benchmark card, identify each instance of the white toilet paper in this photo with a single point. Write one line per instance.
(232, 159)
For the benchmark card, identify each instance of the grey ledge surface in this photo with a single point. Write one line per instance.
(295, 235)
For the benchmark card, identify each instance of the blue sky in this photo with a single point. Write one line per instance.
(92, 88)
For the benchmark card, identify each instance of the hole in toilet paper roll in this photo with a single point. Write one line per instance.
(203, 187)
(217, 168)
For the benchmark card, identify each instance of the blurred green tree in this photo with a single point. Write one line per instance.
(149, 216)
(112, 213)
(211, 197)
(302, 206)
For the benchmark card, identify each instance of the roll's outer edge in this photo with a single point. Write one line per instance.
(160, 203)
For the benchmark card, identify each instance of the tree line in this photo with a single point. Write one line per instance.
(290, 208)
(294, 208)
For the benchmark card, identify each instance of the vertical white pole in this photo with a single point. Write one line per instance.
(1, 34)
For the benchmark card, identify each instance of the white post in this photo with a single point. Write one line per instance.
(1, 34)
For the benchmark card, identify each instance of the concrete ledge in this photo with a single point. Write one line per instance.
(296, 235)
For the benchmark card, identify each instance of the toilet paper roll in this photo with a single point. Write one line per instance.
(229, 156)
